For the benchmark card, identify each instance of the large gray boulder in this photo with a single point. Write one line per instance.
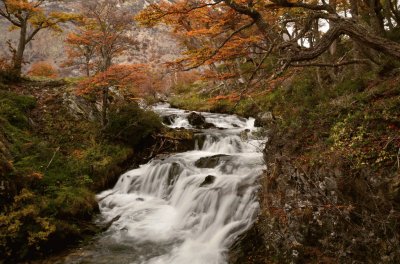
(198, 121)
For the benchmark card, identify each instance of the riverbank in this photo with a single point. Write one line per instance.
(54, 157)
(330, 194)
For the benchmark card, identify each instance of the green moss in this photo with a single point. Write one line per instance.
(130, 124)
(13, 107)
(350, 86)
(61, 161)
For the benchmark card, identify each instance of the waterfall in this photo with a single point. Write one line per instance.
(188, 207)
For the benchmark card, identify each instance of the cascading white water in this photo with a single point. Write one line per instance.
(186, 208)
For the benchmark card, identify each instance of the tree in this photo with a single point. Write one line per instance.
(102, 34)
(43, 69)
(81, 51)
(29, 17)
(124, 77)
(288, 32)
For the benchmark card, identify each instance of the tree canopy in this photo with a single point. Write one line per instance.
(29, 17)
(293, 33)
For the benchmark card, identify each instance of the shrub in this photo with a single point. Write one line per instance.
(23, 229)
(13, 107)
(131, 124)
(43, 69)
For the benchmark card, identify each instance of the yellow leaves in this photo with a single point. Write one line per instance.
(23, 223)
(24, 196)
(31, 11)
(12, 28)
(52, 20)
(22, 5)
(46, 230)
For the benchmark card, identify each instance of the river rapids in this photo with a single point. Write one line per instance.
(185, 208)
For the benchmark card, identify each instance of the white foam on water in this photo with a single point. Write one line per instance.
(185, 213)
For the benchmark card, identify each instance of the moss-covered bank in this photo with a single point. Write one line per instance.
(331, 192)
(54, 156)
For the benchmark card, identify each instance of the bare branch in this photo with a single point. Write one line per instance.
(331, 65)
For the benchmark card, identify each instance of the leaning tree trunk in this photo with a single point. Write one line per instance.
(356, 33)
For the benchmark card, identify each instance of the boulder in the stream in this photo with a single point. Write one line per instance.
(211, 162)
(173, 173)
(264, 119)
(208, 180)
(169, 119)
(199, 121)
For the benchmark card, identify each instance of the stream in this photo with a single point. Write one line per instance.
(184, 208)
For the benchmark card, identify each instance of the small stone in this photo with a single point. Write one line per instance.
(208, 180)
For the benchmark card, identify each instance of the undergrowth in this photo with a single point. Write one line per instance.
(52, 163)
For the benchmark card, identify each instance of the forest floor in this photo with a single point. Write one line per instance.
(331, 192)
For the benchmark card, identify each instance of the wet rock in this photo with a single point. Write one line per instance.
(173, 173)
(208, 125)
(140, 199)
(199, 121)
(211, 162)
(169, 119)
(200, 139)
(209, 179)
(196, 119)
(107, 225)
(263, 119)
(244, 135)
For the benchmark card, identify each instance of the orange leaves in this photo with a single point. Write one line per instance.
(43, 69)
(36, 175)
(211, 31)
(22, 5)
(102, 35)
(126, 76)
(5, 64)
(233, 97)
(32, 11)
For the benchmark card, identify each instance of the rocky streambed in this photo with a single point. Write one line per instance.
(187, 207)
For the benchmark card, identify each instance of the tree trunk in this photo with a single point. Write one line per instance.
(356, 33)
(19, 54)
(87, 66)
(104, 107)
(333, 47)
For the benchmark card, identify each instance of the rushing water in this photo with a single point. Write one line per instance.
(186, 208)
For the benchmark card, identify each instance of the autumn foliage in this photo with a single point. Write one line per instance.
(29, 18)
(256, 41)
(101, 35)
(125, 77)
(43, 69)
